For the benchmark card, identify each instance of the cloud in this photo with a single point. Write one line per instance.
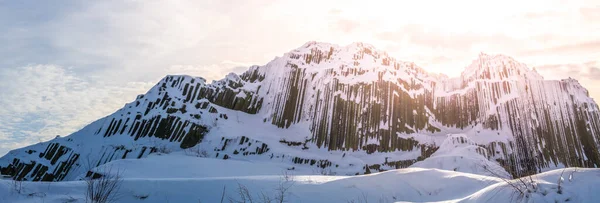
(541, 15)
(594, 73)
(345, 25)
(442, 51)
(589, 70)
(590, 13)
(42, 101)
(118, 38)
(335, 11)
(571, 48)
(436, 37)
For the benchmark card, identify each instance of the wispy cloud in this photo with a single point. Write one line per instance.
(591, 13)
(436, 37)
(589, 70)
(346, 25)
(571, 48)
(42, 101)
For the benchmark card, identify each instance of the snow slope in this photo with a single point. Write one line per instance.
(179, 166)
(207, 180)
(576, 185)
(459, 153)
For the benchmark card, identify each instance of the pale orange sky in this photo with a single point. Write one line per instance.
(560, 38)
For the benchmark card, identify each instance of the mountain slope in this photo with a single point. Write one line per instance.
(345, 110)
(459, 153)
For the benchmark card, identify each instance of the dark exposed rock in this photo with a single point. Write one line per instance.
(364, 103)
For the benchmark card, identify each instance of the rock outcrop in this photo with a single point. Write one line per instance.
(351, 100)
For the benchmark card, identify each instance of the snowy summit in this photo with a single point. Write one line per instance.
(330, 123)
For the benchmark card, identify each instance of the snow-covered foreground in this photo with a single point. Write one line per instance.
(180, 178)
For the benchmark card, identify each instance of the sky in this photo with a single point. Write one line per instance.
(65, 65)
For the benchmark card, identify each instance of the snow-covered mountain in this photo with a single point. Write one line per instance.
(339, 110)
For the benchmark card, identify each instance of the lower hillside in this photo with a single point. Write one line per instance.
(459, 153)
(179, 177)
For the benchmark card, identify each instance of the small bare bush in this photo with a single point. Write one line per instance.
(196, 151)
(160, 149)
(243, 195)
(522, 186)
(141, 196)
(102, 185)
(324, 171)
(281, 192)
(17, 185)
(360, 199)
(285, 183)
(69, 199)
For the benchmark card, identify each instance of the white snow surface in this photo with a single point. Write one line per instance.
(194, 179)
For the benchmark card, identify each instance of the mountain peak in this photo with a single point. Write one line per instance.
(325, 46)
(497, 57)
(483, 55)
(361, 45)
(498, 66)
(310, 44)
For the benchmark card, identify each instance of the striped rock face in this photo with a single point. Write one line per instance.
(361, 108)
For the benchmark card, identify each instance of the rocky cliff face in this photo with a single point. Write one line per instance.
(365, 110)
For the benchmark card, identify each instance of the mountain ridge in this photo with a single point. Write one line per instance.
(319, 102)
